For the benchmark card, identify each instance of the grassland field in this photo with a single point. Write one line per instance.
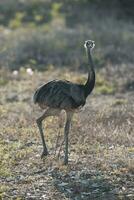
(100, 142)
(43, 40)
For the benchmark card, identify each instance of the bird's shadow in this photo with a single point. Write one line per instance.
(84, 185)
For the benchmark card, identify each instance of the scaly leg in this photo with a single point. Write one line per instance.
(66, 132)
(47, 113)
(59, 132)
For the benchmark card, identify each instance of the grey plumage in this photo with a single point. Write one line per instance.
(60, 94)
(57, 95)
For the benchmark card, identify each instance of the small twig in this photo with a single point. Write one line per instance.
(60, 148)
(57, 141)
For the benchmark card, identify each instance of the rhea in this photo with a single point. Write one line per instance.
(58, 95)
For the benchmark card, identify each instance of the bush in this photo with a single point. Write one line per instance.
(58, 39)
(13, 12)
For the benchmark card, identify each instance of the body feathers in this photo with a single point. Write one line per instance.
(60, 94)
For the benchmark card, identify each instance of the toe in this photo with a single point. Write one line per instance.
(45, 153)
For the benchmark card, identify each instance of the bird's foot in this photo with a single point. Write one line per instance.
(44, 153)
(65, 161)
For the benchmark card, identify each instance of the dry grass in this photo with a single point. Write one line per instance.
(101, 143)
(46, 33)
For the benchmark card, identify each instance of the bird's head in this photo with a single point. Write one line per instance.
(89, 44)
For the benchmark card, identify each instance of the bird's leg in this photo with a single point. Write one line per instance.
(60, 126)
(47, 113)
(39, 124)
(66, 132)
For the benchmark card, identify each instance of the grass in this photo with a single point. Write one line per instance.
(101, 142)
(49, 36)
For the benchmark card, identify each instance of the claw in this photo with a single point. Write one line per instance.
(44, 153)
(65, 162)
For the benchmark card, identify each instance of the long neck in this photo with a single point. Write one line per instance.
(89, 85)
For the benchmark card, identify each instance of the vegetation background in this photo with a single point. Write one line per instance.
(43, 40)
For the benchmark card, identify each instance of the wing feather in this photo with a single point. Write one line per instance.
(60, 94)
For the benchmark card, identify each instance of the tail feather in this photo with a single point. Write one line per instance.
(35, 96)
(42, 92)
(38, 94)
